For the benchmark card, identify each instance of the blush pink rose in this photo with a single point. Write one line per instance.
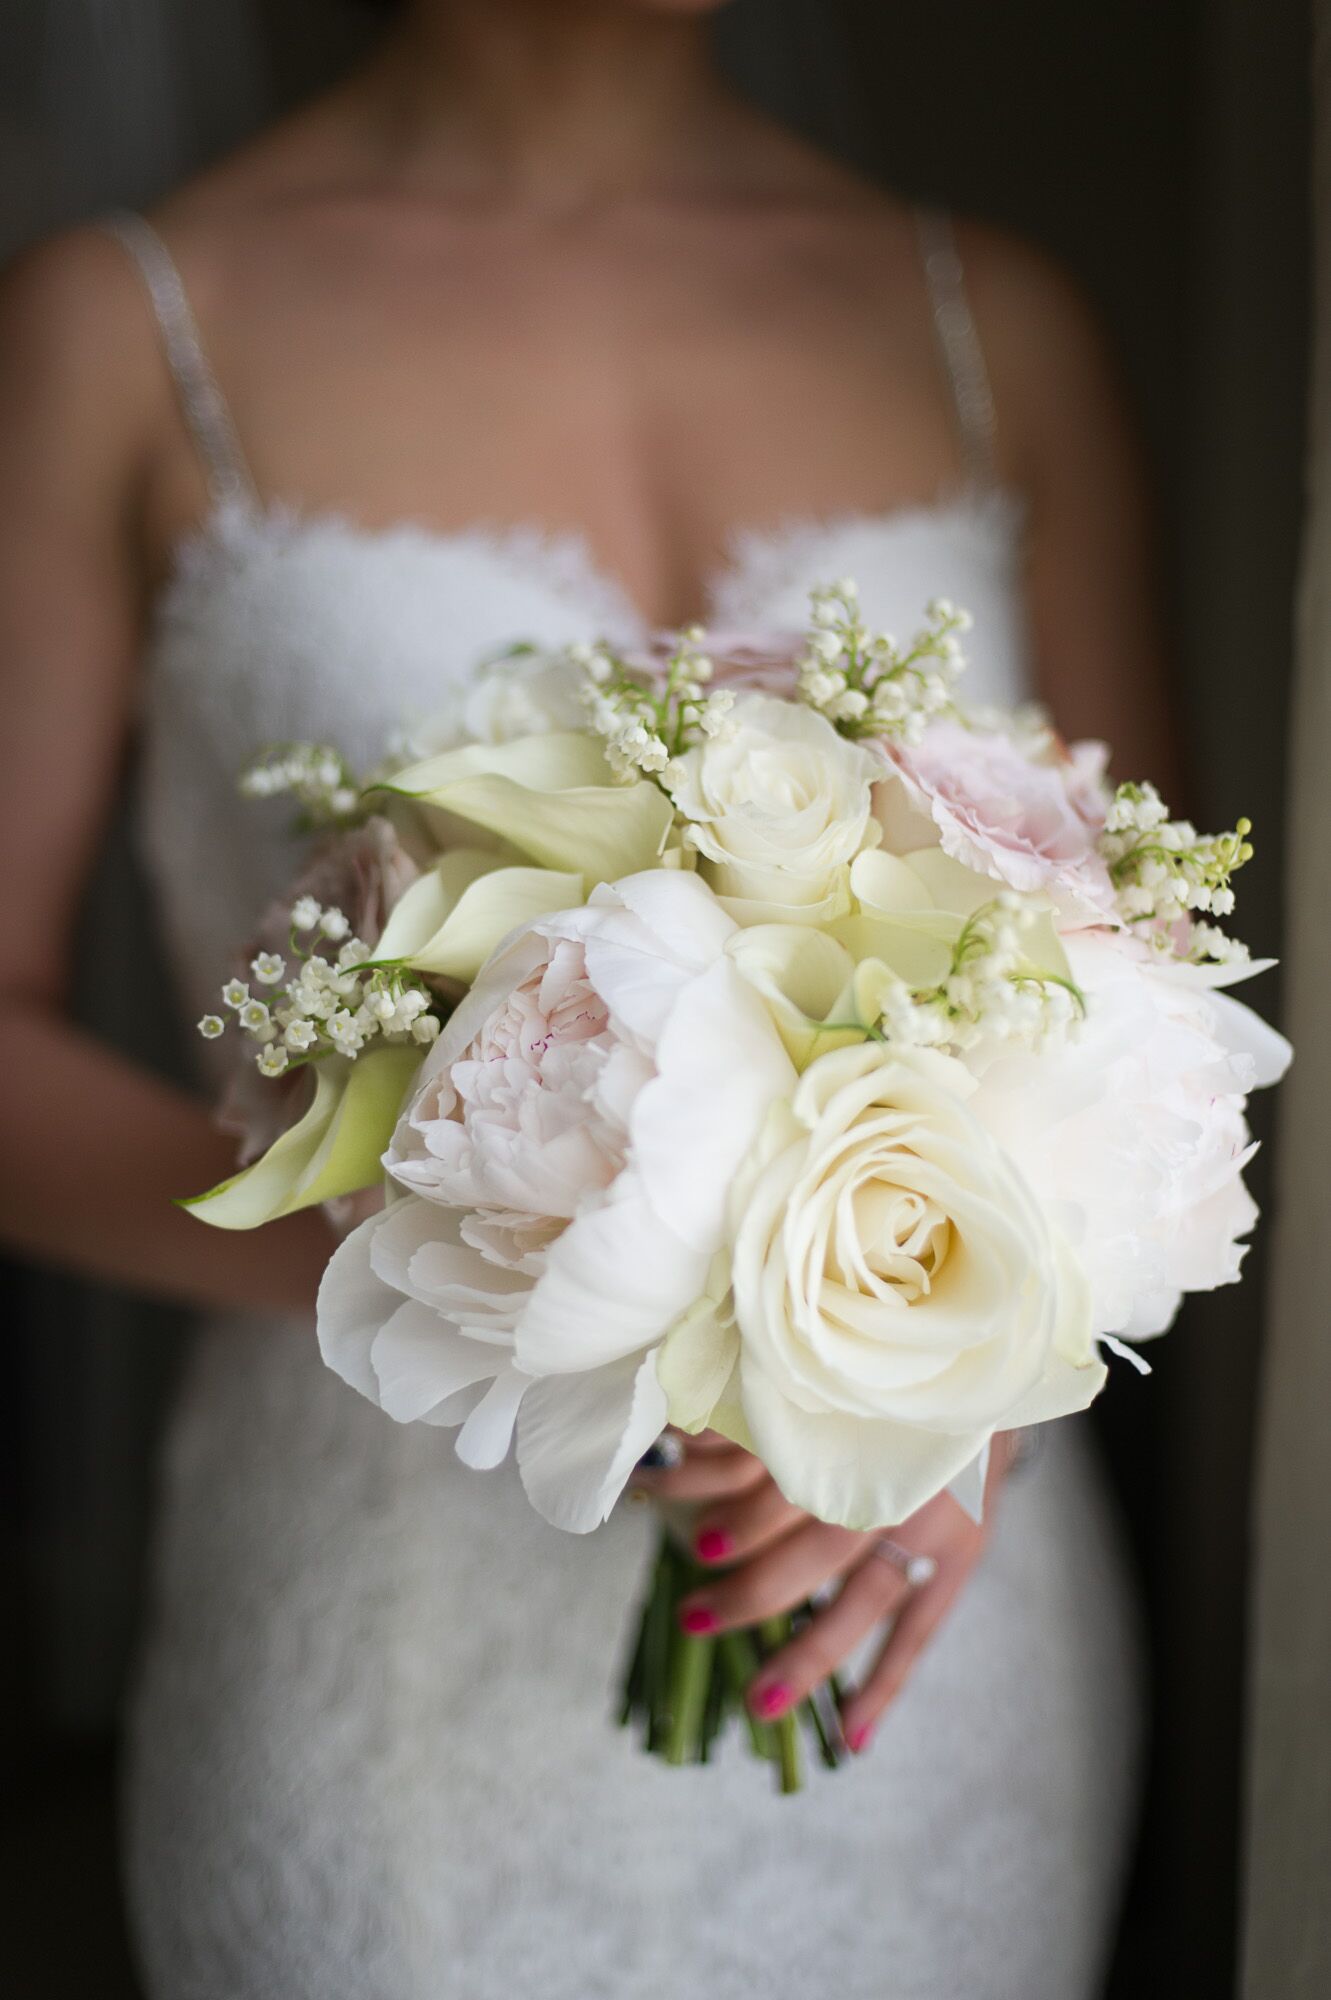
(1032, 822)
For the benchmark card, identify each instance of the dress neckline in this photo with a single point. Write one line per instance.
(755, 557)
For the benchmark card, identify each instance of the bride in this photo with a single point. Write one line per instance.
(530, 328)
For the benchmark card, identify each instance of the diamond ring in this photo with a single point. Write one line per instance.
(916, 1569)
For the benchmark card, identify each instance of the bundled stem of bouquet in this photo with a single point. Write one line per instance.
(681, 1689)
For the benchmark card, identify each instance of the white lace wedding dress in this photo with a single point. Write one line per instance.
(372, 1755)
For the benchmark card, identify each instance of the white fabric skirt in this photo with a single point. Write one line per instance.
(372, 1754)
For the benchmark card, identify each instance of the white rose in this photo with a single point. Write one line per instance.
(524, 693)
(567, 1158)
(1134, 1134)
(778, 809)
(899, 1293)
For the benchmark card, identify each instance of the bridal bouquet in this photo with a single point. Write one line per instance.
(744, 1037)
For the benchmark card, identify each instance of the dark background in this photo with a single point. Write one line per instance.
(1159, 148)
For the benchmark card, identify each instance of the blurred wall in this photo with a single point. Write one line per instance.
(1288, 1954)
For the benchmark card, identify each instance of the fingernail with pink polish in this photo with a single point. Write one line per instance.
(714, 1545)
(859, 1739)
(770, 1701)
(698, 1620)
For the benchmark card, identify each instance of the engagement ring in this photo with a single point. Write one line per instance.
(917, 1570)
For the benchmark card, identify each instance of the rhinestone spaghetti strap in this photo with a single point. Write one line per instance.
(959, 342)
(202, 403)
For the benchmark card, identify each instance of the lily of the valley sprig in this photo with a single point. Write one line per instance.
(1164, 872)
(330, 1006)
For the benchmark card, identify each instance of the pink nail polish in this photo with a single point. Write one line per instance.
(698, 1620)
(771, 1701)
(714, 1545)
(860, 1739)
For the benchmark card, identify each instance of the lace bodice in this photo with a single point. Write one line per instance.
(276, 627)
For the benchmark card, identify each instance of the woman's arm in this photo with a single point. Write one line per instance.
(92, 1149)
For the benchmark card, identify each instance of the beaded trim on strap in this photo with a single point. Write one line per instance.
(959, 342)
(202, 403)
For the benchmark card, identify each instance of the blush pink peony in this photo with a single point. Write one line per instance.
(565, 1164)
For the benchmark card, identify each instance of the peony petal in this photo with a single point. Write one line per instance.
(613, 1282)
(690, 927)
(486, 1435)
(720, 1067)
(1245, 1033)
(403, 1230)
(353, 1304)
(579, 1438)
(420, 1252)
(643, 940)
(420, 1359)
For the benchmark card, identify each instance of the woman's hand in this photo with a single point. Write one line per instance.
(771, 1557)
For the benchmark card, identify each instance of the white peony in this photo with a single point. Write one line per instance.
(777, 809)
(1133, 1133)
(899, 1293)
(566, 1162)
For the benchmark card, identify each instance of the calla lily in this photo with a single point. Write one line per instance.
(450, 921)
(913, 907)
(551, 798)
(334, 1150)
(818, 997)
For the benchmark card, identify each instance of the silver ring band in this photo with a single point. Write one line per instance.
(917, 1570)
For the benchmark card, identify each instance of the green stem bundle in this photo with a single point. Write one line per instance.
(681, 1689)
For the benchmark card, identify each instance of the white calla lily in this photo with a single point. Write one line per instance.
(334, 1150)
(552, 798)
(454, 916)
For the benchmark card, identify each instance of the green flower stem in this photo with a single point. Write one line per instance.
(690, 1681)
(775, 1633)
(714, 1710)
(682, 1690)
(659, 1631)
(827, 1750)
(739, 1663)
